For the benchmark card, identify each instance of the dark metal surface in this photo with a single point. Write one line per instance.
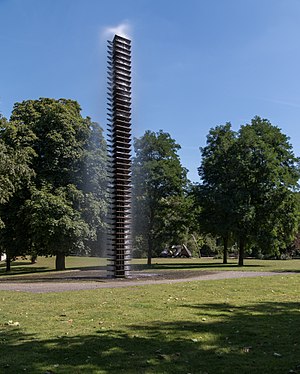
(119, 117)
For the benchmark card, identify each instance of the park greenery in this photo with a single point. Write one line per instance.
(192, 327)
(159, 183)
(54, 201)
(59, 202)
(44, 267)
(249, 187)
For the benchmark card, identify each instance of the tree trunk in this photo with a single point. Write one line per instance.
(60, 261)
(149, 259)
(225, 250)
(150, 237)
(7, 262)
(241, 252)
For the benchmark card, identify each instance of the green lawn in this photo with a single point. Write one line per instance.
(45, 265)
(226, 326)
(216, 264)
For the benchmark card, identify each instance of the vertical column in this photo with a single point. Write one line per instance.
(119, 117)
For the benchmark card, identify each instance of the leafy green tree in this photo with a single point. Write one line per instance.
(177, 220)
(56, 225)
(94, 185)
(66, 198)
(215, 192)
(249, 184)
(266, 173)
(60, 135)
(14, 165)
(159, 181)
(15, 173)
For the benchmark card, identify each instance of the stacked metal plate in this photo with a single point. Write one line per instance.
(119, 117)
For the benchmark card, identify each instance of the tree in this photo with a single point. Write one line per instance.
(177, 223)
(158, 182)
(94, 185)
(267, 174)
(215, 192)
(15, 172)
(63, 208)
(14, 165)
(255, 190)
(60, 134)
(56, 225)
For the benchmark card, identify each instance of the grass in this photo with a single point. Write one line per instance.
(207, 263)
(226, 326)
(47, 265)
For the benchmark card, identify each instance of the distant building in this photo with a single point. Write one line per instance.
(119, 112)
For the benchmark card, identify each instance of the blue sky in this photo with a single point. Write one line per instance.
(196, 63)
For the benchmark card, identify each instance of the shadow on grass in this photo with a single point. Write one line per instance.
(262, 338)
(188, 265)
(40, 273)
(19, 269)
(72, 274)
(15, 263)
(15, 270)
(287, 271)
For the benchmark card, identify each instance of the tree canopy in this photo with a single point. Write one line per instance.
(14, 163)
(159, 181)
(249, 179)
(64, 205)
(53, 186)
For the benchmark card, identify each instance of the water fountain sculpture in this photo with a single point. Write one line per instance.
(119, 117)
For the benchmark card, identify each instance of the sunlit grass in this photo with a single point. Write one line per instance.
(225, 326)
(208, 263)
(47, 264)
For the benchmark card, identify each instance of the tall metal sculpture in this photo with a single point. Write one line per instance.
(119, 117)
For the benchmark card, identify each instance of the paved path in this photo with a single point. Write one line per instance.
(53, 286)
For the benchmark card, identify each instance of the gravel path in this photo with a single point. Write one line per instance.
(74, 283)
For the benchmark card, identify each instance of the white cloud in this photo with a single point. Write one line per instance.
(123, 29)
(293, 104)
